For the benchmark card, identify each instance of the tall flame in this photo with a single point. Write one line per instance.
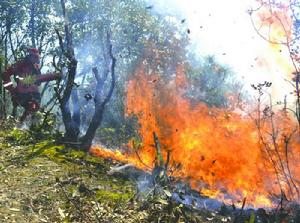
(219, 152)
(216, 150)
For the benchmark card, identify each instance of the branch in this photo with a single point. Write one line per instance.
(160, 162)
(96, 73)
(12, 46)
(113, 77)
(262, 36)
(61, 44)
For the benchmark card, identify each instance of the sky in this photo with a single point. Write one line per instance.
(224, 29)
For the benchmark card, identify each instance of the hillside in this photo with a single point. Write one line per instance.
(45, 182)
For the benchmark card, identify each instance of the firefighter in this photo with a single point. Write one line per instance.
(28, 77)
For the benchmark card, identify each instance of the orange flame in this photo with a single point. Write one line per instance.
(217, 151)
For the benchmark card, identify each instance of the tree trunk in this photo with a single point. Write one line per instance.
(76, 111)
(5, 67)
(1, 87)
(32, 23)
(72, 120)
(87, 139)
(71, 127)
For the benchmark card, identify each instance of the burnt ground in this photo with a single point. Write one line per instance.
(44, 182)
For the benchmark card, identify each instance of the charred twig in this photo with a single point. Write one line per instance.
(160, 161)
(168, 160)
(243, 204)
(159, 172)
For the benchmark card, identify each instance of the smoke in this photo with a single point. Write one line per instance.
(224, 29)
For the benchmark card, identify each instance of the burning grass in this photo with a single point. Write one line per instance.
(223, 154)
(45, 182)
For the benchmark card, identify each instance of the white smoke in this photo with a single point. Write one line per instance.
(224, 29)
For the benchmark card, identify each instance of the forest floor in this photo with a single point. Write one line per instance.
(41, 181)
(51, 185)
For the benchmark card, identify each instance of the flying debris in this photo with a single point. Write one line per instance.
(88, 97)
(154, 80)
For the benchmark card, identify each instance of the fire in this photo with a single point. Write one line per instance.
(219, 152)
(216, 150)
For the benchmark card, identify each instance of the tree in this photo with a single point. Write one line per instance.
(212, 83)
(72, 119)
(128, 26)
(278, 25)
(81, 40)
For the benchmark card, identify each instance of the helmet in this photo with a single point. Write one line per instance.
(34, 57)
(33, 51)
